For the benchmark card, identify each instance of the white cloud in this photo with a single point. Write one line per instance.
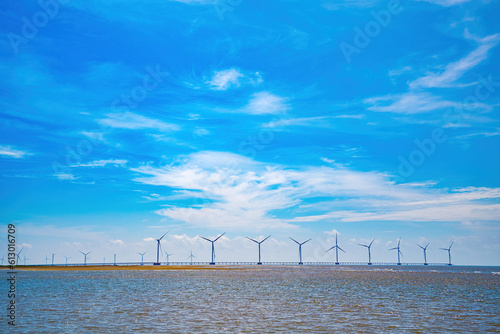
(201, 132)
(117, 242)
(230, 190)
(65, 176)
(455, 70)
(13, 153)
(128, 120)
(232, 78)
(149, 239)
(223, 80)
(265, 103)
(102, 163)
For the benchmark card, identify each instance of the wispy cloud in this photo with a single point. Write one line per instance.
(455, 70)
(408, 103)
(102, 163)
(303, 121)
(128, 120)
(65, 176)
(11, 152)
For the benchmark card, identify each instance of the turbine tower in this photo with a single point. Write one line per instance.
(158, 246)
(67, 259)
(46, 259)
(53, 258)
(399, 251)
(142, 257)
(337, 247)
(425, 252)
(300, 248)
(369, 246)
(258, 243)
(168, 256)
(114, 259)
(85, 257)
(24, 259)
(213, 248)
(191, 257)
(449, 252)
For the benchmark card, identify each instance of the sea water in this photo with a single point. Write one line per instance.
(260, 299)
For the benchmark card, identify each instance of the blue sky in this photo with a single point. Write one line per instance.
(370, 119)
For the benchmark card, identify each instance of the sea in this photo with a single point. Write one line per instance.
(260, 299)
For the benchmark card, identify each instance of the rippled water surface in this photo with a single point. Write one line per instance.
(261, 300)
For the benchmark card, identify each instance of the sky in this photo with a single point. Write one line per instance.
(371, 119)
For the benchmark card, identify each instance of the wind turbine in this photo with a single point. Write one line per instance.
(114, 259)
(18, 257)
(336, 250)
(24, 260)
(67, 259)
(300, 248)
(425, 252)
(85, 257)
(142, 257)
(258, 243)
(3, 259)
(369, 252)
(53, 258)
(168, 256)
(191, 257)
(399, 251)
(46, 259)
(213, 248)
(158, 246)
(449, 252)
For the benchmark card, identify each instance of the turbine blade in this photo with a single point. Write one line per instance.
(265, 239)
(393, 248)
(371, 242)
(306, 241)
(364, 245)
(205, 238)
(342, 249)
(253, 240)
(452, 244)
(295, 241)
(331, 249)
(420, 246)
(219, 236)
(164, 235)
